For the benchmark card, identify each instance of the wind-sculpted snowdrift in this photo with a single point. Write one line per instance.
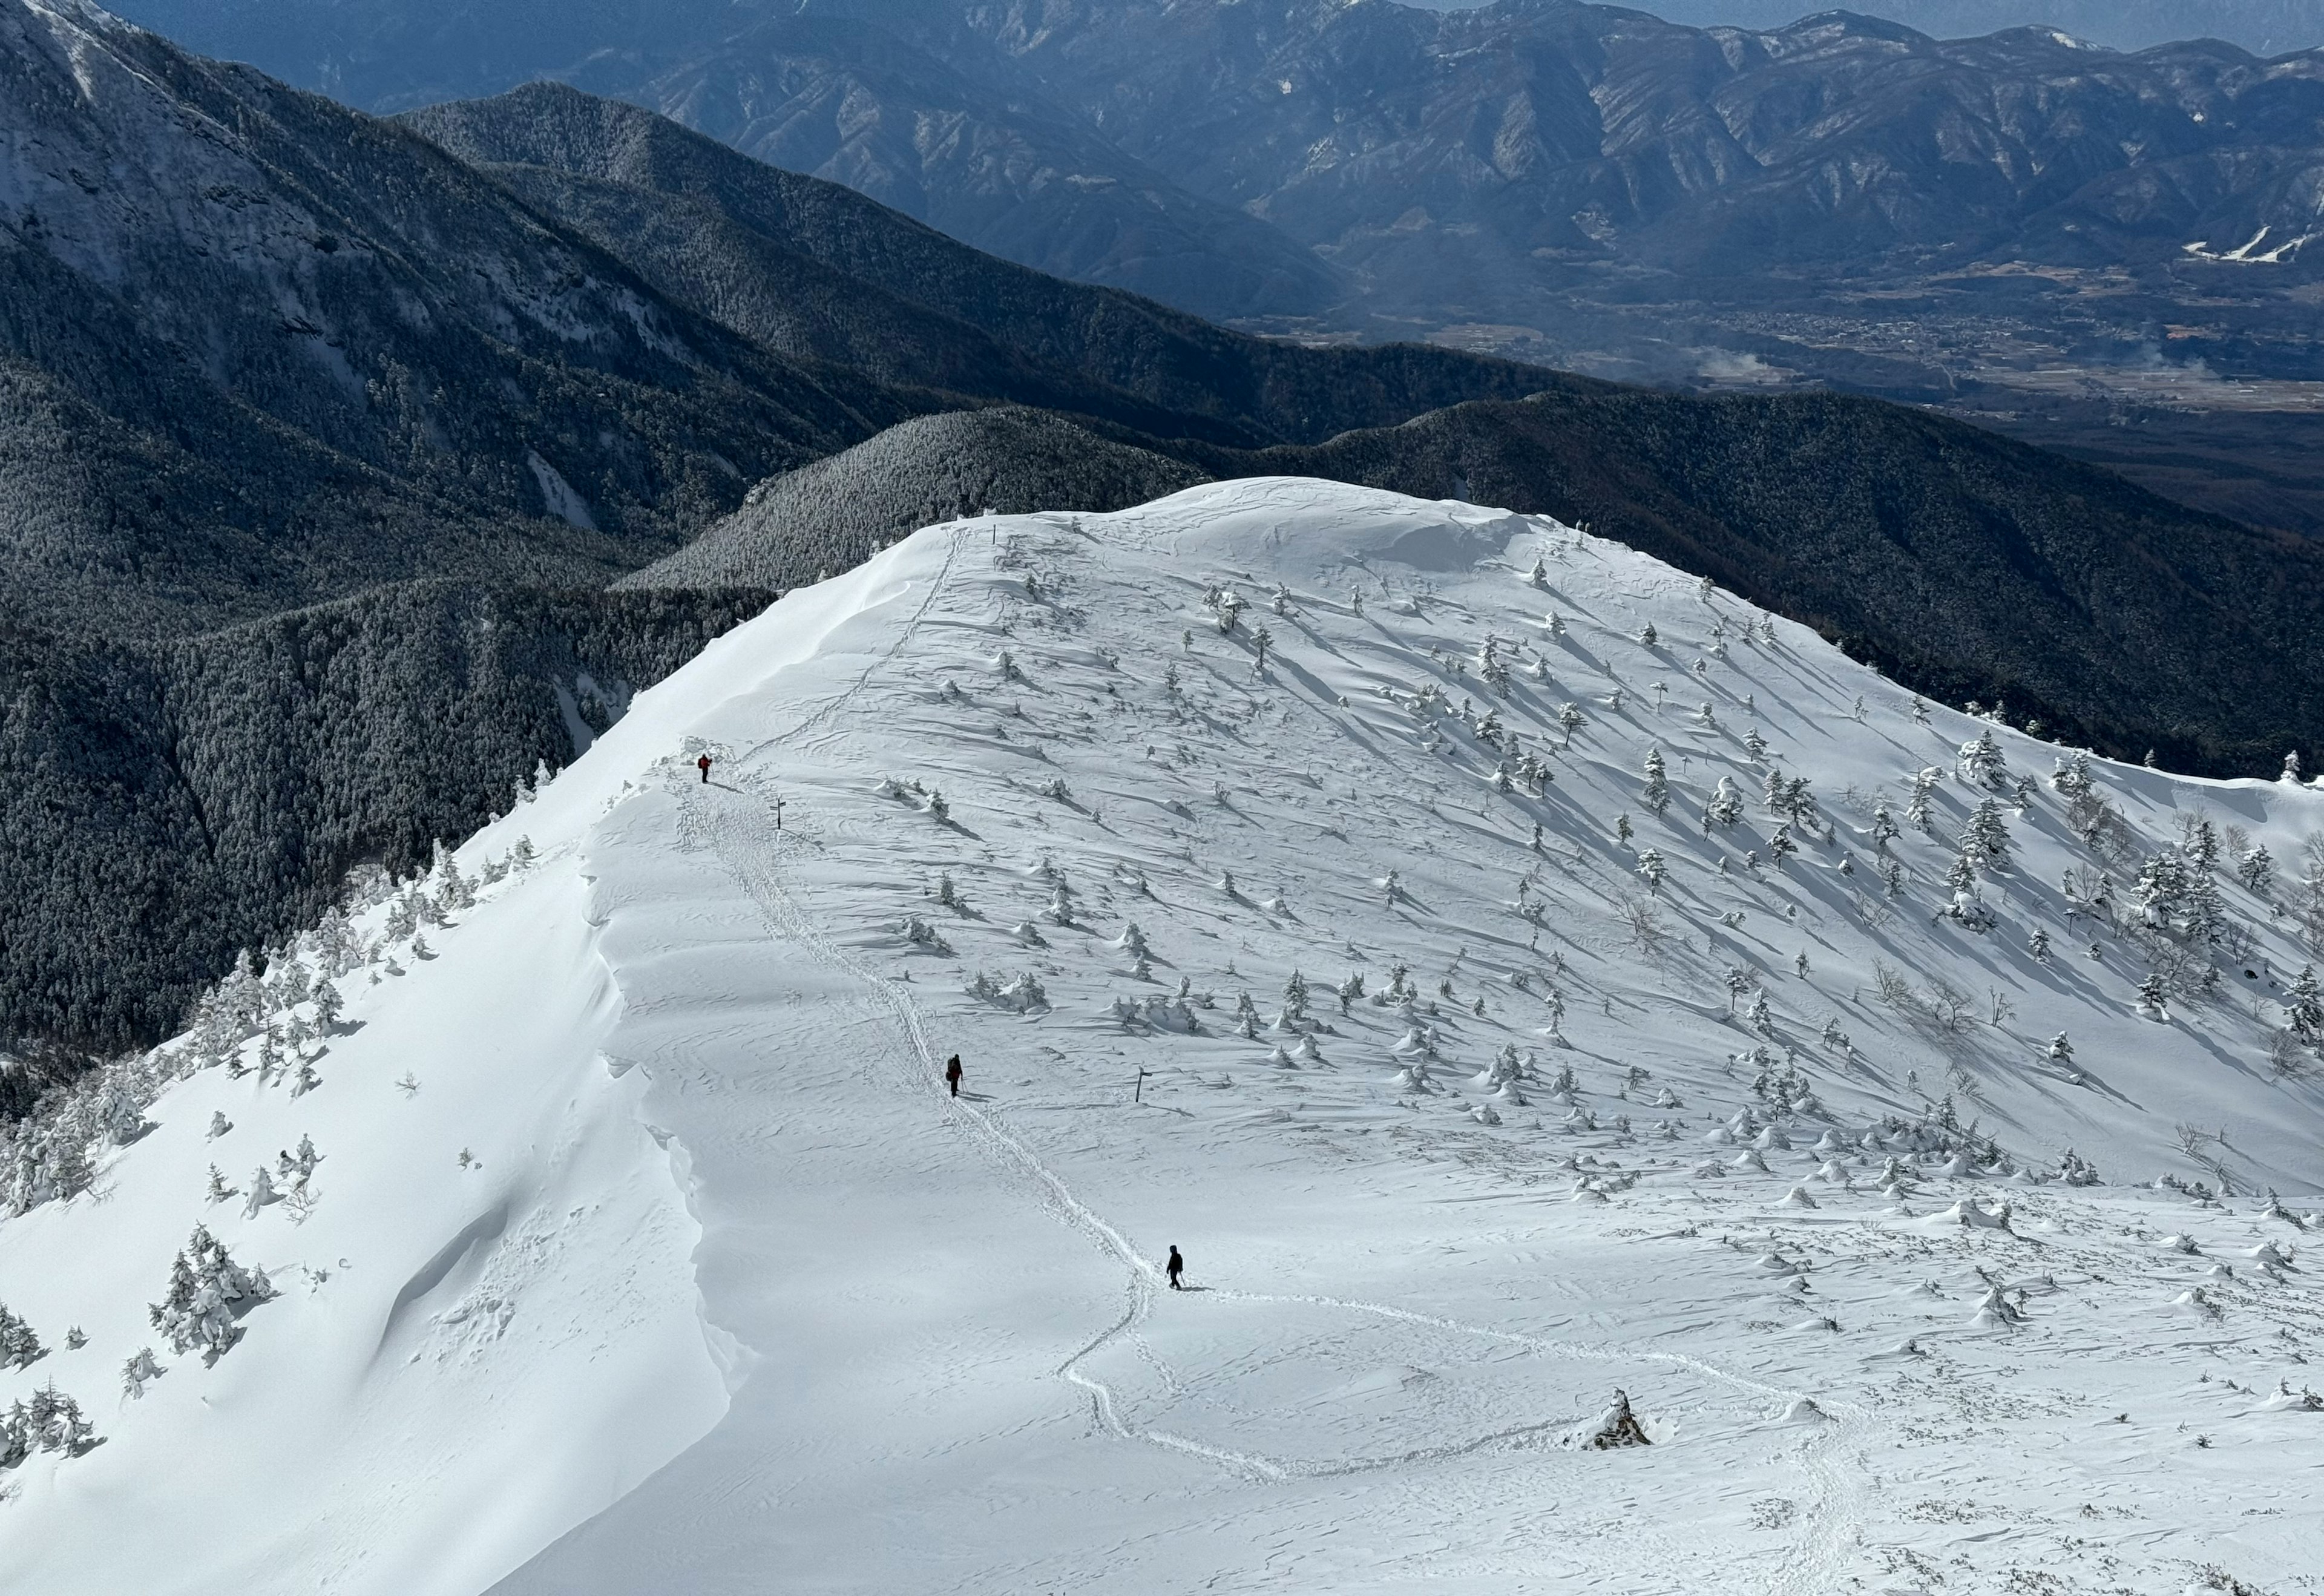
(1510, 970)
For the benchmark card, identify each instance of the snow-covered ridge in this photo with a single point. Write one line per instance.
(1413, 912)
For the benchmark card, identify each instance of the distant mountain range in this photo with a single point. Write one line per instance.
(1436, 163)
(2263, 27)
(2084, 247)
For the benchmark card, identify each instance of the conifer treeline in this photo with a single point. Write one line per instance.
(163, 805)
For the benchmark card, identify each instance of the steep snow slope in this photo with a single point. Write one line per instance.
(897, 1340)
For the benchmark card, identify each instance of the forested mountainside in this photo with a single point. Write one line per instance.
(754, 246)
(164, 805)
(265, 351)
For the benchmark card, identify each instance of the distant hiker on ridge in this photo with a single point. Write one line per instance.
(951, 1074)
(1174, 1269)
(704, 765)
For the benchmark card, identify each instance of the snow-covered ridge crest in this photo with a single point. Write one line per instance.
(1511, 971)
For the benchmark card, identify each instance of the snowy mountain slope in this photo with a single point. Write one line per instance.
(897, 1340)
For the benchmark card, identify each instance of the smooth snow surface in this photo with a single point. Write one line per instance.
(736, 1298)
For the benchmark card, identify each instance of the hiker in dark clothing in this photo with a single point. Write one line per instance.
(702, 765)
(951, 1074)
(1174, 1269)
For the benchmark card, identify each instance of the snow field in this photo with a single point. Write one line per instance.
(895, 1341)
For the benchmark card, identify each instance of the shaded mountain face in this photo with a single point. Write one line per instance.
(256, 350)
(815, 270)
(926, 131)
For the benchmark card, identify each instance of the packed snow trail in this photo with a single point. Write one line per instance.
(1664, 1072)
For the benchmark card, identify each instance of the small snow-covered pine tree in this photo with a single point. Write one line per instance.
(207, 1291)
(2256, 871)
(140, 1371)
(1652, 867)
(2303, 1007)
(1725, 807)
(19, 1347)
(1924, 786)
(1655, 796)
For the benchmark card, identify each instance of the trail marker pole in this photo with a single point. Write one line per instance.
(1138, 1095)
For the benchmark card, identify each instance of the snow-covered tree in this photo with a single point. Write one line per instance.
(2072, 775)
(49, 1421)
(1924, 786)
(2204, 913)
(141, 1370)
(207, 1292)
(2151, 995)
(2038, 945)
(1985, 842)
(1647, 635)
(1739, 982)
(1980, 761)
(2256, 871)
(1759, 1015)
(1725, 807)
(1656, 794)
(2303, 1007)
(2161, 890)
(218, 1190)
(1570, 720)
(1348, 990)
(1780, 847)
(1884, 826)
(1622, 829)
(19, 1347)
(1295, 997)
(1755, 745)
(1651, 866)
(2060, 1049)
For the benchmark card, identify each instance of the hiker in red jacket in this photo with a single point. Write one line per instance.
(951, 1074)
(702, 765)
